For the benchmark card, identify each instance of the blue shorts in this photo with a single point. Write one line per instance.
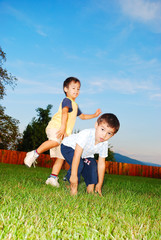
(87, 166)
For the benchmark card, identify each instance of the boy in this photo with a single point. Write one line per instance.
(79, 149)
(61, 125)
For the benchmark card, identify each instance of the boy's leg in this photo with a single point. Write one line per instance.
(67, 176)
(33, 155)
(53, 178)
(90, 174)
(57, 166)
(52, 142)
(47, 145)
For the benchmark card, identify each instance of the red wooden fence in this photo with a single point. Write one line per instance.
(15, 157)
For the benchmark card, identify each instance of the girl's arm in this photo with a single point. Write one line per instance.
(90, 116)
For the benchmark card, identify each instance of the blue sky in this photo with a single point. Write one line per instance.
(113, 47)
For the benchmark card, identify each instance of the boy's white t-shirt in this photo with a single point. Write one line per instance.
(86, 140)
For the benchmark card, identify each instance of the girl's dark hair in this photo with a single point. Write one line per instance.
(69, 80)
(111, 120)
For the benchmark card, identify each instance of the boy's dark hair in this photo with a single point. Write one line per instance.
(111, 120)
(68, 81)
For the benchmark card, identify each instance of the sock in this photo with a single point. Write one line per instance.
(36, 153)
(53, 175)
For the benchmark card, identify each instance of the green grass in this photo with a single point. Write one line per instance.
(129, 209)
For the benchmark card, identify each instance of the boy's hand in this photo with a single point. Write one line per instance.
(98, 189)
(60, 133)
(98, 112)
(73, 189)
(73, 185)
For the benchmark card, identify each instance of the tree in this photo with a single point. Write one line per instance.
(9, 133)
(5, 77)
(34, 134)
(110, 155)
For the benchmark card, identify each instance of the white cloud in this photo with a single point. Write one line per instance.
(20, 16)
(101, 53)
(156, 96)
(134, 75)
(29, 87)
(28, 82)
(141, 9)
(40, 32)
(98, 83)
(144, 11)
(124, 85)
(18, 63)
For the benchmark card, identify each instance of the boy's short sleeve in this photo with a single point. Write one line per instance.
(103, 152)
(67, 103)
(79, 112)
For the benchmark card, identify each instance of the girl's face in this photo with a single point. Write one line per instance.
(103, 132)
(72, 91)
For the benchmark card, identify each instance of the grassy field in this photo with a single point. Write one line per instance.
(130, 207)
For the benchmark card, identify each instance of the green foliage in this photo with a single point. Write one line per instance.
(9, 133)
(110, 156)
(5, 77)
(34, 133)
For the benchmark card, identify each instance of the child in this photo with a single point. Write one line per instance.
(61, 125)
(79, 149)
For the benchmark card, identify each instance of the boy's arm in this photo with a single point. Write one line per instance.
(74, 170)
(101, 173)
(64, 118)
(89, 116)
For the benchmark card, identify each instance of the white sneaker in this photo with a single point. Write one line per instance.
(52, 181)
(30, 158)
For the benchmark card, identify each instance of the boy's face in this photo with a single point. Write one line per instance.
(103, 132)
(72, 91)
